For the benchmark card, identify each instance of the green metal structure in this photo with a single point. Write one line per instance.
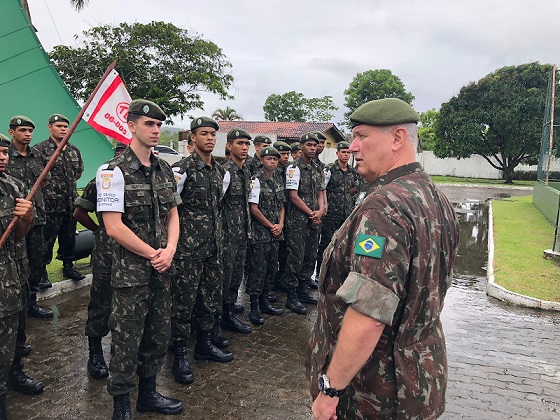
(31, 86)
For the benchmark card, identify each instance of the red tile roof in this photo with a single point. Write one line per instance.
(288, 130)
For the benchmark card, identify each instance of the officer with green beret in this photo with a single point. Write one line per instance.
(198, 278)
(303, 219)
(60, 194)
(137, 198)
(254, 163)
(237, 225)
(296, 150)
(12, 204)
(384, 279)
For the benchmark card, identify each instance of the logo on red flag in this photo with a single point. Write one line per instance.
(108, 110)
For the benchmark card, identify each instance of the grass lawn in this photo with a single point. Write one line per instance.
(521, 234)
(455, 180)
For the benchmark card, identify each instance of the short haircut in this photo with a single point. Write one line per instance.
(132, 117)
(411, 132)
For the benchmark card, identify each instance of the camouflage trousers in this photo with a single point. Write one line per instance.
(197, 294)
(328, 228)
(235, 254)
(8, 333)
(63, 227)
(21, 337)
(282, 258)
(301, 242)
(35, 243)
(139, 325)
(99, 307)
(262, 266)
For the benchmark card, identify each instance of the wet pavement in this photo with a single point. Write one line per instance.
(504, 361)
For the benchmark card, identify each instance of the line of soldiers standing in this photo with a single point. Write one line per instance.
(21, 165)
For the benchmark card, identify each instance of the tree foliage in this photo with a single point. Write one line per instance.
(79, 4)
(371, 85)
(226, 114)
(426, 130)
(157, 61)
(499, 117)
(294, 106)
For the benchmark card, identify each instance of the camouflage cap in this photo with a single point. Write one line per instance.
(204, 122)
(21, 120)
(282, 146)
(342, 145)
(58, 117)
(388, 111)
(309, 137)
(319, 135)
(238, 133)
(146, 108)
(4, 141)
(295, 147)
(262, 139)
(270, 151)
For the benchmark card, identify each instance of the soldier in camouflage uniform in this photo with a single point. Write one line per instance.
(266, 203)
(377, 349)
(12, 203)
(254, 163)
(296, 150)
(237, 225)
(60, 194)
(137, 198)
(341, 184)
(303, 219)
(197, 282)
(26, 164)
(99, 308)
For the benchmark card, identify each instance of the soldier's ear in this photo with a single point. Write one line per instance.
(400, 137)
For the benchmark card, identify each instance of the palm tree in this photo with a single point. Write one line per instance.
(79, 4)
(226, 114)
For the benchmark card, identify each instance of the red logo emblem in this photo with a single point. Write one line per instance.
(122, 111)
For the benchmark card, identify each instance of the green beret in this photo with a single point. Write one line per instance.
(204, 122)
(282, 146)
(146, 108)
(270, 151)
(21, 120)
(342, 145)
(309, 137)
(319, 135)
(388, 111)
(262, 139)
(120, 146)
(295, 147)
(238, 133)
(58, 117)
(4, 141)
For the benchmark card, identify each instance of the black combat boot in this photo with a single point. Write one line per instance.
(96, 365)
(121, 407)
(45, 283)
(3, 411)
(19, 381)
(23, 350)
(232, 323)
(272, 298)
(69, 271)
(181, 369)
(304, 296)
(205, 350)
(294, 304)
(217, 336)
(238, 308)
(266, 307)
(151, 400)
(255, 316)
(37, 311)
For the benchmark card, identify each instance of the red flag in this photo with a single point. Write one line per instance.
(108, 110)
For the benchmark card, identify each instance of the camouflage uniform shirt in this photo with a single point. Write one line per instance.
(201, 189)
(253, 164)
(236, 187)
(391, 260)
(269, 195)
(60, 193)
(308, 181)
(338, 184)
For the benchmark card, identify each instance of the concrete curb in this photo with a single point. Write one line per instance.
(503, 294)
(503, 187)
(64, 286)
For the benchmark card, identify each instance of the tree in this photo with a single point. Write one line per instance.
(157, 61)
(226, 114)
(79, 4)
(426, 130)
(293, 106)
(371, 85)
(499, 117)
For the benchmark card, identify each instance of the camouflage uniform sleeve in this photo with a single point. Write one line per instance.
(88, 199)
(380, 260)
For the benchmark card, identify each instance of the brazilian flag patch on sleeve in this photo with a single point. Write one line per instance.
(370, 246)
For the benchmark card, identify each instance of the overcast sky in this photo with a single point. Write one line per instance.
(316, 47)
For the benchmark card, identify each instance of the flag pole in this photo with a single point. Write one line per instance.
(56, 154)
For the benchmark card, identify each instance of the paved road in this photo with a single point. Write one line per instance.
(504, 362)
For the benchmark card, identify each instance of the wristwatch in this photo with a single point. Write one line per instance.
(325, 387)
